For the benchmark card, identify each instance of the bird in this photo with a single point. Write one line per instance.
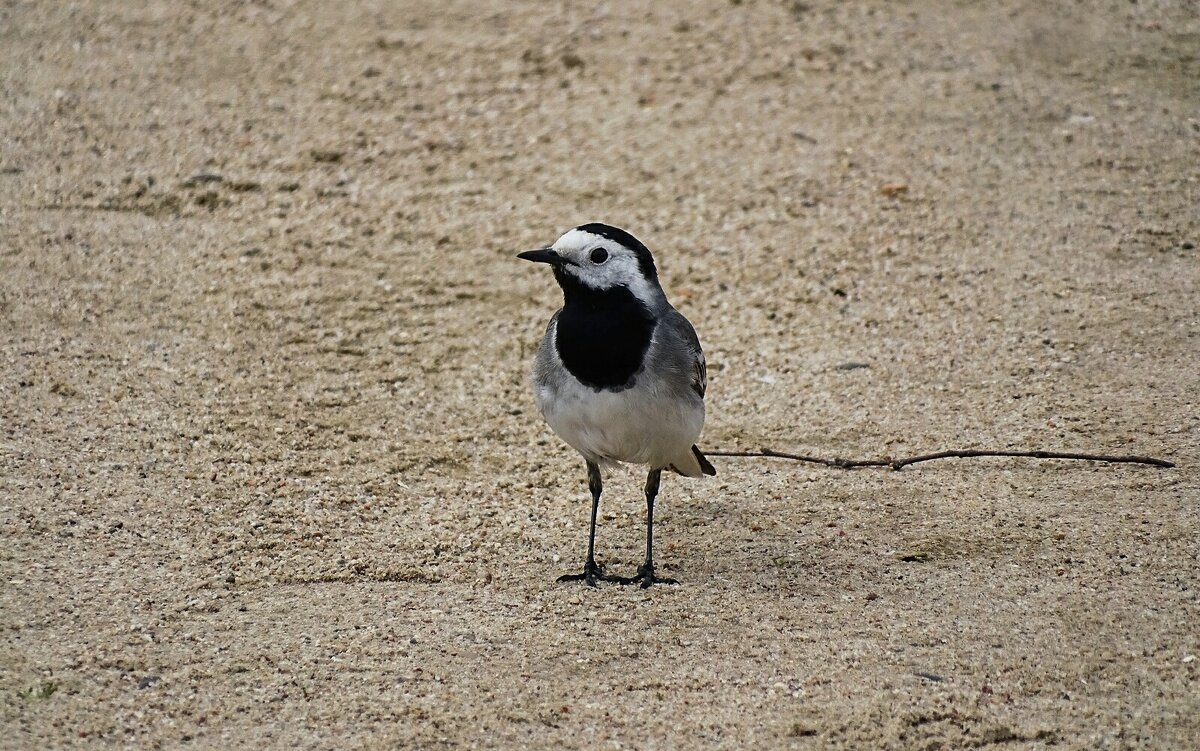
(619, 375)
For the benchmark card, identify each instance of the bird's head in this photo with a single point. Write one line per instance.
(599, 257)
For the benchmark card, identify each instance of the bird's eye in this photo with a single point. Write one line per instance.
(599, 255)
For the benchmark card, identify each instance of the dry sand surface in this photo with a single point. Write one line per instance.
(270, 470)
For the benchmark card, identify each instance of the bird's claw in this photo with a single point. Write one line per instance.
(645, 576)
(592, 574)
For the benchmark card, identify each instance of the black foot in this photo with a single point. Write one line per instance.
(592, 573)
(645, 576)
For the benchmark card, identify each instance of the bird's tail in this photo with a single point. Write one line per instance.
(695, 465)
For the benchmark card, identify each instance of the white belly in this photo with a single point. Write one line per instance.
(637, 425)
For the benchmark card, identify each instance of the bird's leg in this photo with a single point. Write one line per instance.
(645, 574)
(592, 572)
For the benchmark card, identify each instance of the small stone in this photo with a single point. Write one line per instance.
(210, 199)
(328, 156)
(244, 186)
(998, 734)
(203, 178)
(802, 730)
(62, 388)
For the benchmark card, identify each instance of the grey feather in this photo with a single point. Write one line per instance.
(681, 352)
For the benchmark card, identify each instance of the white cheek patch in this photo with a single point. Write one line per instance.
(620, 270)
(648, 293)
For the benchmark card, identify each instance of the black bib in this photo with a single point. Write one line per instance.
(602, 335)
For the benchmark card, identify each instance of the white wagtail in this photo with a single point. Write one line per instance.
(619, 375)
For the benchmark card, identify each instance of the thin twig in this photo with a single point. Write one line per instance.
(898, 464)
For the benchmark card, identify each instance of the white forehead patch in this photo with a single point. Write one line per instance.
(575, 241)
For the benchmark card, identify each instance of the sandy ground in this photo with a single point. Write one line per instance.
(271, 475)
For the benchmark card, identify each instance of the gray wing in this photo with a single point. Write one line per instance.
(546, 377)
(685, 346)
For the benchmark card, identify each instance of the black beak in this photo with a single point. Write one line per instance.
(545, 255)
